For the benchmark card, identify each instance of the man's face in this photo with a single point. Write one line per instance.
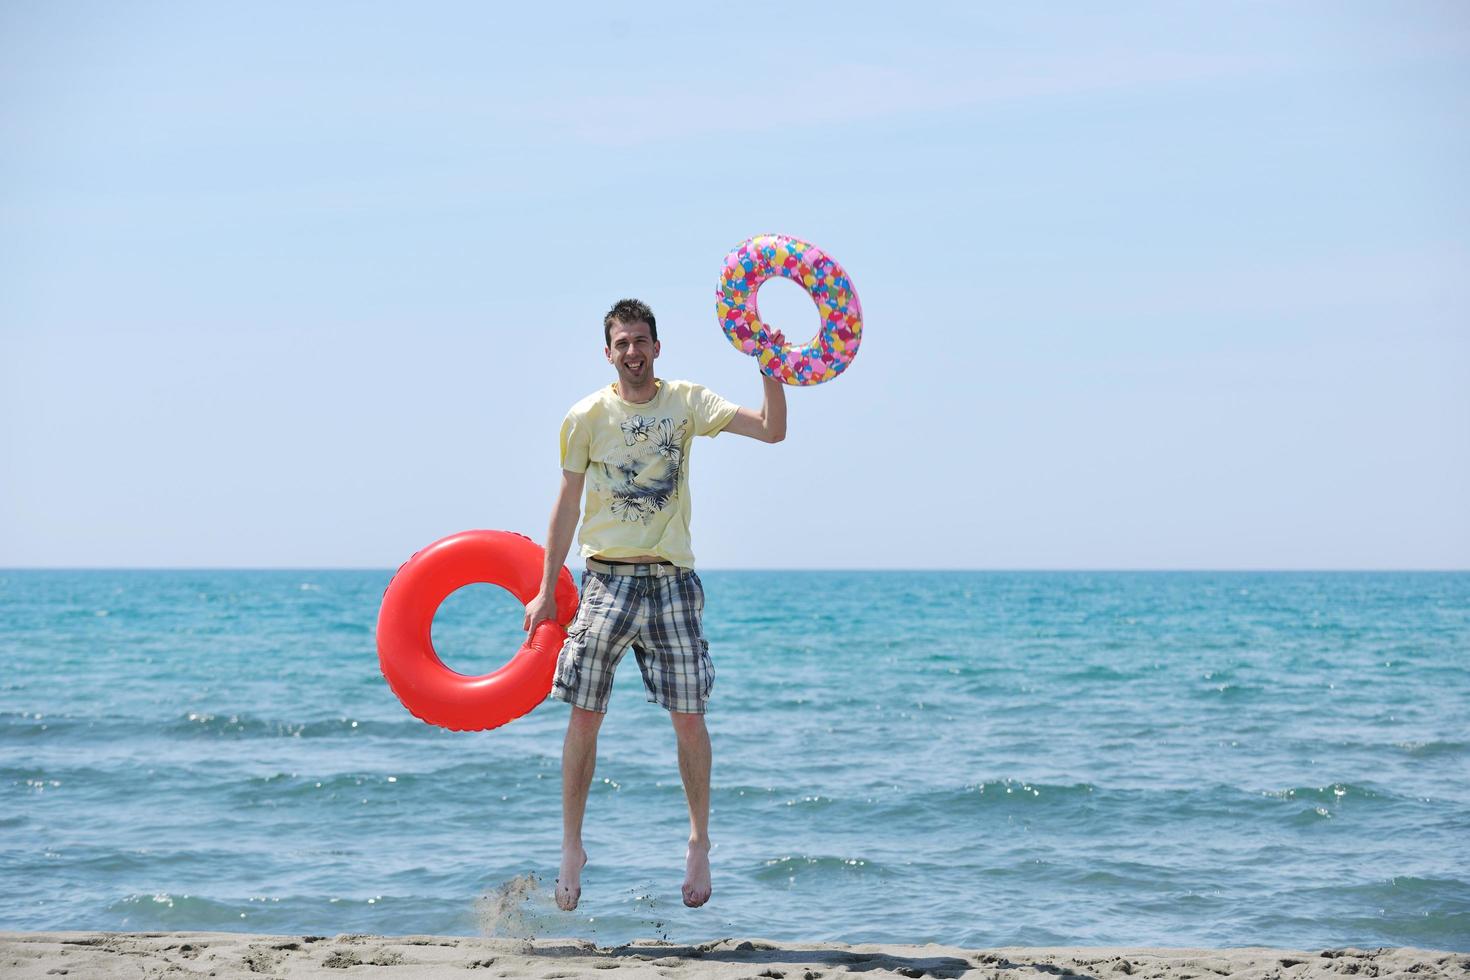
(632, 352)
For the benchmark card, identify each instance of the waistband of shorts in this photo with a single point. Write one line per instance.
(657, 568)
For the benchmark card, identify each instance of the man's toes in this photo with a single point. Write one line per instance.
(569, 885)
(695, 897)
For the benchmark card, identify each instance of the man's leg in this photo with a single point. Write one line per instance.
(578, 760)
(694, 767)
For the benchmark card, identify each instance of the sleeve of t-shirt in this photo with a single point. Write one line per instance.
(711, 412)
(576, 442)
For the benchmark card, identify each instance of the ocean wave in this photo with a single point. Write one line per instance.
(1433, 749)
(200, 724)
(42, 779)
(96, 860)
(169, 910)
(1332, 793)
(204, 724)
(794, 866)
(1118, 875)
(1106, 806)
(1432, 912)
(899, 805)
(902, 806)
(1310, 816)
(1446, 894)
(1230, 693)
(283, 786)
(1099, 672)
(34, 724)
(164, 910)
(1010, 791)
(1428, 749)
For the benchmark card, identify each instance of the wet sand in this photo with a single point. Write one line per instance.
(228, 956)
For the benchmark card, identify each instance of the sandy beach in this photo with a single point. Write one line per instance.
(25, 955)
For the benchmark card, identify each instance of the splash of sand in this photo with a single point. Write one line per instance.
(515, 909)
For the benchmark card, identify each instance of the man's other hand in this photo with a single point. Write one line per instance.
(539, 609)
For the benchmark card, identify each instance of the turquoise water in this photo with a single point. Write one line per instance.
(970, 758)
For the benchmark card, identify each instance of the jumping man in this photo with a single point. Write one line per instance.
(628, 445)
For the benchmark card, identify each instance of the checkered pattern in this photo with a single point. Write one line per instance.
(659, 616)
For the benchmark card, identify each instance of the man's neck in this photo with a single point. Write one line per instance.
(639, 395)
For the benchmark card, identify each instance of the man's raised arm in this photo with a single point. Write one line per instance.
(769, 424)
(558, 542)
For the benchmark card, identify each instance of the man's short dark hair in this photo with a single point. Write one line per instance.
(626, 311)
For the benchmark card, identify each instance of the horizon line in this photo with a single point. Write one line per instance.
(724, 568)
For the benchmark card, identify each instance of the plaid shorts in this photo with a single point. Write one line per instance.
(659, 615)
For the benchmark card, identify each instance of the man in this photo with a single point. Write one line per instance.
(628, 446)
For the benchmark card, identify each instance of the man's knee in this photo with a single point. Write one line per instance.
(584, 723)
(686, 724)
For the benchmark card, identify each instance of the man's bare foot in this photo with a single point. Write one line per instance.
(696, 875)
(569, 878)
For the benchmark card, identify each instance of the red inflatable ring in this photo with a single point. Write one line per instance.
(430, 690)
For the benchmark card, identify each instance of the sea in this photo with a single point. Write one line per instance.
(968, 758)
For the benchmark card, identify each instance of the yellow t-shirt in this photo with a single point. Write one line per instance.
(636, 457)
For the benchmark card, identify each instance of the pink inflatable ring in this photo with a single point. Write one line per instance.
(827, 354)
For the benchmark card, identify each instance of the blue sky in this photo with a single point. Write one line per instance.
(1147, 285)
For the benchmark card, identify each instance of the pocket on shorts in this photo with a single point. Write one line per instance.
(569, 662)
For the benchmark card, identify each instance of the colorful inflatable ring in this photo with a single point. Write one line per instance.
(430, 690)
(827, 354)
